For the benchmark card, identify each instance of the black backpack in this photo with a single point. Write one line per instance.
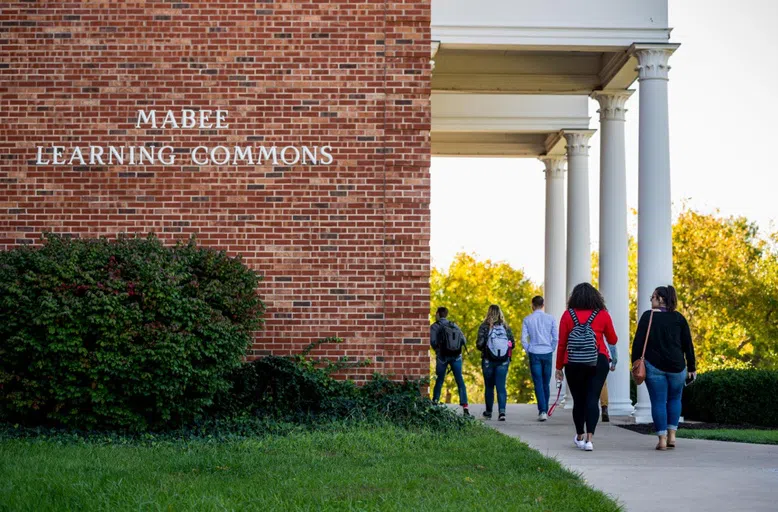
(450, 339)
(582, 342)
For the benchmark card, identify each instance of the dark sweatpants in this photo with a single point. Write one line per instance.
(585, 385)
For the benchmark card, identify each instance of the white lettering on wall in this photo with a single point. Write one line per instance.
(200, 155)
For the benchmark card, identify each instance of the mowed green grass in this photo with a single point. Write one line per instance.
(358, 468)
(739, 436)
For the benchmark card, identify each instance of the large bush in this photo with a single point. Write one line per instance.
(125, 334)
(734, 397)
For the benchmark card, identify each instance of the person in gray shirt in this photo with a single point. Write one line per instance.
(448, 340)
(539, 337)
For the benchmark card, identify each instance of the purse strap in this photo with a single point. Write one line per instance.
(648, 331)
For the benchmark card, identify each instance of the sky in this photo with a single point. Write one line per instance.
(722, 106)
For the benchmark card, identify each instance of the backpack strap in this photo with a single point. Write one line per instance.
(591, 317)
(576, 323)
(441, 334)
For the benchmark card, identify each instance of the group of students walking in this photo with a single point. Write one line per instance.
(585, 342)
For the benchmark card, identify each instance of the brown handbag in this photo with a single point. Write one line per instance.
(639, 366)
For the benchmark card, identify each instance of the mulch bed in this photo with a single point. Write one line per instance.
(648, 428)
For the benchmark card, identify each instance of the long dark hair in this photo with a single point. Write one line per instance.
(667, 293)
(586, 296)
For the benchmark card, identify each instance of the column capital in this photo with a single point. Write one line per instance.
(612, 104)
(577, 141)
(653, 60)
(555, 165)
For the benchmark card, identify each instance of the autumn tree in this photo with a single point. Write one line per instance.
(727, 281)
(467, 289)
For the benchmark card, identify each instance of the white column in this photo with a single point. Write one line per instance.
(614, 240)
(579, 256)
(655, 243)
(579, 251)
(554, 279)
(554, 284)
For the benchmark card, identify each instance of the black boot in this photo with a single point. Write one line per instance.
(605, 417)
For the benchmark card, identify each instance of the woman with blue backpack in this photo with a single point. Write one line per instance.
(582, 352)
(496, 342)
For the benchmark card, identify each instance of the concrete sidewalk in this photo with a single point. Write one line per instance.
(696, 476)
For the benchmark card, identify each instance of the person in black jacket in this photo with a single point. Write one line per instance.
(669, 356)
(446, 356)
(496, 343)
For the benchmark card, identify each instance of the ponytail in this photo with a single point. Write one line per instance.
(672, 298)
(669, 295)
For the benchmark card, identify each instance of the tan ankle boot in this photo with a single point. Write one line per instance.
(671, 438)
(662, 444)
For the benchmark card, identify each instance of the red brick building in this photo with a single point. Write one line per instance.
(343, 242)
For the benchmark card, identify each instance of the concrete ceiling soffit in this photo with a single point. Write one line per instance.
(488, 144)
(516, 72)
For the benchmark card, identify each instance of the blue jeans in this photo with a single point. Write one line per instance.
(665, 390)
(540, 368)
(441, 365)
(495, 374)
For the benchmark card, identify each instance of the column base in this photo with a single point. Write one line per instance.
(621, 408)
(642, 414)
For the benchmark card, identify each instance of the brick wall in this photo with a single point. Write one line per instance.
(344, 248)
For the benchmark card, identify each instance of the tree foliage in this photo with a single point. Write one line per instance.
(467, 289)
(727, 282)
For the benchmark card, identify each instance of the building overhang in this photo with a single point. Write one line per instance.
(503, 38)
(504, 46)
(502, 125)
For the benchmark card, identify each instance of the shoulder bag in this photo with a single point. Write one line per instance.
(639, 366)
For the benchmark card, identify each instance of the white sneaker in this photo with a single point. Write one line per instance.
(588, 446)
(580, 443)
(543, 416)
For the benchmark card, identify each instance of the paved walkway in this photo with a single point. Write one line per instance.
(696, 476)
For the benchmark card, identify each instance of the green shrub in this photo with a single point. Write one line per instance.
(124, 334)
(300, 389)
(733, 397)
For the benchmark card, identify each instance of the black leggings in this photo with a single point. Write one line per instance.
(585, 385)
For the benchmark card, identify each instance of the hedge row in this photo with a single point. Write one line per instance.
(733, 397)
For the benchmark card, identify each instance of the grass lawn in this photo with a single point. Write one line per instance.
(739, 436)
(358, 468)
